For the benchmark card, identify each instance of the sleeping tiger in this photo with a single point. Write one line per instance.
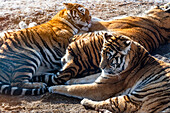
(150, 31)
(131, 80)
(35, 50)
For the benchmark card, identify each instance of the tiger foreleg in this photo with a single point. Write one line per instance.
(83, 80)
(32, 85)
(92, 91)
(115, 104)
(55, 79)
(96, 105)
(49, 78)
(23, 88)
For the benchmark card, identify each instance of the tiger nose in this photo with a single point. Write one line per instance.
(102, 65)
(89, 22)
(63, 61)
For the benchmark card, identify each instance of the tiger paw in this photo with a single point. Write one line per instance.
(50, 89)
(44, 88)
(60, 89)
(40, 85)
(88, 104)
(44, 85)
(33, 85)
(55, 89)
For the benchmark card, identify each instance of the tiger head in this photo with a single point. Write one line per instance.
(79, 15)
(161, 15)
(114, 54)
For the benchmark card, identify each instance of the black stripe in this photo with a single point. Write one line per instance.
(116, 103)
(151, 93)
(164, 103)
(24, 70)
(21, 55)
(17, 91)
(6, 90)
(53, 55)
(25, 39)
(145, 81)
(28, 92)
(16, 38)
(4, 78)
(153, 32)
(153, 44)
(43, 53)
(125, 107)
(68, 25)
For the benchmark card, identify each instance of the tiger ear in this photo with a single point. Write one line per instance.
(166, 8)
(68, 5)
(107, 36)
(127, 48)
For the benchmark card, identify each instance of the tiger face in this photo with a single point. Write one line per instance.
(79, 15)
(114, 54)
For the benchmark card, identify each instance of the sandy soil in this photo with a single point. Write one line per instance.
(40, 11)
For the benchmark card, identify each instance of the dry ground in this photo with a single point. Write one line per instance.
(52, 102)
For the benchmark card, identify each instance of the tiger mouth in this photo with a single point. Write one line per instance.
(89, 25)
(111, 71)
(82, 25)
(108, 71)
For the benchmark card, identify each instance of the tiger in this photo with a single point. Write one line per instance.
(132, 80)
(39, 49)
(150, 29)
(82, 56)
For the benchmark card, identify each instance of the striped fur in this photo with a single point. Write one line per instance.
(83, 56)
(150, 30)
(33, 51)
(135, 80)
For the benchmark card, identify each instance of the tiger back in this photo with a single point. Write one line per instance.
(38, 49)
(150, 30)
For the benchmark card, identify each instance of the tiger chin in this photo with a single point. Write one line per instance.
(29, 52)
(131, 80)
(150, 29)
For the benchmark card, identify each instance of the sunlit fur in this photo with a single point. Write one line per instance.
(80, 59)
(141, 82)
(143, 86)
(150, 30)
(38, 49)
(83, 56)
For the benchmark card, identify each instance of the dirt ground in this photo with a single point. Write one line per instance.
(53, 102)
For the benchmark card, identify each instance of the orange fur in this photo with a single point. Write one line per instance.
(150, 30)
